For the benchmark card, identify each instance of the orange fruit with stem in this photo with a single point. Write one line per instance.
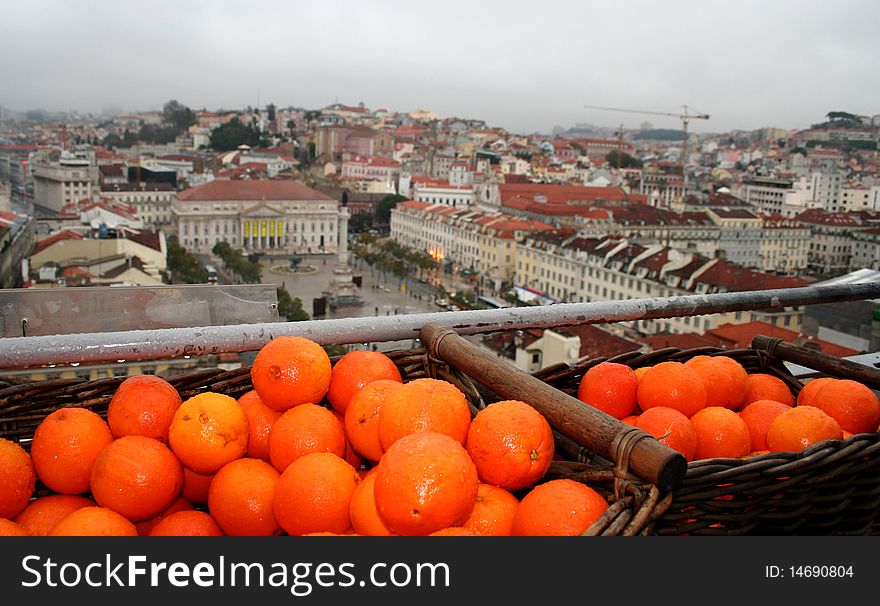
(240, 498)
(65, 446)
(758, 416)
(136, 476)
(673, 385)
(721, 433)
(208, 431)
(511, 444)
(143, 405)
(853, 405)
(94, 522)
(305, 429)
(289, 371)
(41, 514)
(424, 405)
(362, 417)
(260, 420)
(187, 524)
(314, 495)
(610, 387)
(493, 512)
(425, 482)
(558, 508)
(795, 429)
(17, 479)
(356, 369)
(767, 387)
(671, 428)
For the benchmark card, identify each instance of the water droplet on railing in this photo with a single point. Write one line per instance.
(74, 363)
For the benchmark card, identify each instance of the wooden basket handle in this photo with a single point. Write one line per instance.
(626, 446)
(830, 365)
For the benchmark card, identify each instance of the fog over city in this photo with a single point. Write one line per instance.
(523, 66)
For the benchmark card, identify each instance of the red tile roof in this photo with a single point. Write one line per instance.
(817, 216)
(221, 190)
(737, 278)
(682, 341)
(597, 342)
(741, 335)
(61, 235)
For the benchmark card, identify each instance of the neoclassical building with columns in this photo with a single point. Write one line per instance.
(269, 216)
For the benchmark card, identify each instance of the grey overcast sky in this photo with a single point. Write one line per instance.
(522, 65)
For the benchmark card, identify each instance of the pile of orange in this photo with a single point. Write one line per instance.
(351, 449)
(315, 449)
(710, 407)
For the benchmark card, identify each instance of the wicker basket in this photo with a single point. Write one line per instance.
(832, 487)
(23, 405)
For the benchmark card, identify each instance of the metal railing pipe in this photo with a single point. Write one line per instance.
(26, 352)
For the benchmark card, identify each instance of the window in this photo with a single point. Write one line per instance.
(536, 358)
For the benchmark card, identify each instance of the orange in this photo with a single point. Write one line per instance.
(136, 476)
(768, 387)
(424, 405)
(240, 499)
(362, 417)
(511, 444)
(726, 381)
(208, 431)
(670, 427)
(610, 387)
(640, 372)
(674, 385)
(43, 513)
(795, 429)
(351, 456)
(187, 524)
(454, 531)
(17, 479)
(180, 504)
(94, 522)
(356, 369)
(289, 371)
(260, 420)
(143, 405)
(630, 420)
(853, 405)
(493, 512)
(558, 508)
(425, 482)
(721, 433)
(65, 446)
(365, 518)
(808, 393)
(758, 416)
(196, 486)
(8, 528)
(846, 434)
(302, 430)
(314, 495)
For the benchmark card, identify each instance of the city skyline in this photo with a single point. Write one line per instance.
(750, 66)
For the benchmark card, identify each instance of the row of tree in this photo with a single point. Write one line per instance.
(390, 256)
(235, 262)
(184, 267)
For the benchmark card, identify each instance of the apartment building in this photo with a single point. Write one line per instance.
(151, 201)
(831, 244)
(770, 195)
(784, 245)
(60, 181)
(866, 249)
(483, 242)
(739, 235)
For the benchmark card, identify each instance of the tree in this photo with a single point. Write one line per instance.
(620, 159)
(178, 116)
(291, 125)
(270, 109)
(229, 136)
(184, 266)
(290, 309)
(383, 210)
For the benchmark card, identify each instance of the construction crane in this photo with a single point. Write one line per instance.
(685, 117)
